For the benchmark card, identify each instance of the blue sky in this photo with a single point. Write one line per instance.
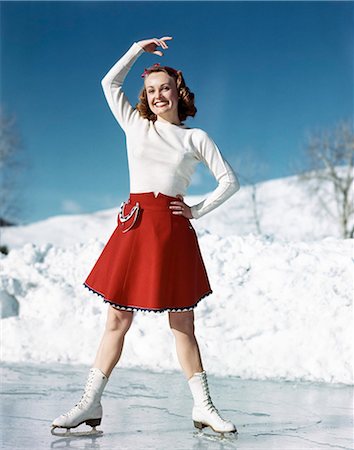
(264, 74)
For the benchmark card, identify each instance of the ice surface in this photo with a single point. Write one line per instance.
(143, 409)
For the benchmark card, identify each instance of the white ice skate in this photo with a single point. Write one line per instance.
(88, 410)
(204, 413)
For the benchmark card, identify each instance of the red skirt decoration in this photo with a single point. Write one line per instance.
(152, 261)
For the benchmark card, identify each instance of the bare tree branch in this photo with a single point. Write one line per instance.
(251, 169)
(329, 173)
(10, 167)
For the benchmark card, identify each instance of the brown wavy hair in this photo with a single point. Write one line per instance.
(186, 105)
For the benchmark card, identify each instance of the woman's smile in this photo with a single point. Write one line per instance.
(161, 104)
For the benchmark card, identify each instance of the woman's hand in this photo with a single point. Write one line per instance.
(149, 45)
(181, 208)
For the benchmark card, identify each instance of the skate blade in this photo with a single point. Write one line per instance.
(67, 433)
(200, 426)
(219, 435)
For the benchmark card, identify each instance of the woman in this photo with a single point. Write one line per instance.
(152, 261)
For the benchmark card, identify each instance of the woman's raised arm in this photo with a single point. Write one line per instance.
(112, 82)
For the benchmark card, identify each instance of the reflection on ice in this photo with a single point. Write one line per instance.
(147, 410)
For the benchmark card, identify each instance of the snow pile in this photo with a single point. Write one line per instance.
(279, 309)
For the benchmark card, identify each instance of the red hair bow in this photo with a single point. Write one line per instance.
(146, 71)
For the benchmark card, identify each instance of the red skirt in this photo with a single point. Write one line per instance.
(153, 265)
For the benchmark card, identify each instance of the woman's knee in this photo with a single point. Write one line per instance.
(182, 322)
(118, 320)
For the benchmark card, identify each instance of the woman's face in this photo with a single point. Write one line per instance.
(162, 94)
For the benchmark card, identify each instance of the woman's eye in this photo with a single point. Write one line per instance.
(164, 88)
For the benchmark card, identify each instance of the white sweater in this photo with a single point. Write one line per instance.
(162, 156)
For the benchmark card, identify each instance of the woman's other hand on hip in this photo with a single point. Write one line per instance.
(180, 208)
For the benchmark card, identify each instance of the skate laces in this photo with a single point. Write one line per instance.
(209, 404)
(85, 397)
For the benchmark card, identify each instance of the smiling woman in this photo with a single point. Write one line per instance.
(174, 92)
(152, 261)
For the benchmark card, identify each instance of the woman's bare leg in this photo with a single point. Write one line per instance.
(182, 326)
(111, 346)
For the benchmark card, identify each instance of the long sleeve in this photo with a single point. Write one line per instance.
(112, 83)
(228, 184)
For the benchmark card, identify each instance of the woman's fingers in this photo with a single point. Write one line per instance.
(160, 42)
(150, 45)
(180, 208)
(177, 205)
(163, 39)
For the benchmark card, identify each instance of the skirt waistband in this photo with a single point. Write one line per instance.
(147, 200)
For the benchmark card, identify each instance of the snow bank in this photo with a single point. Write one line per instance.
(279, 309)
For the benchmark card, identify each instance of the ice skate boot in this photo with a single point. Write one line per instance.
(204, 413)
(88, 410)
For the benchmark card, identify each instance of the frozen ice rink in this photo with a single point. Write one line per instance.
(147, 410)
